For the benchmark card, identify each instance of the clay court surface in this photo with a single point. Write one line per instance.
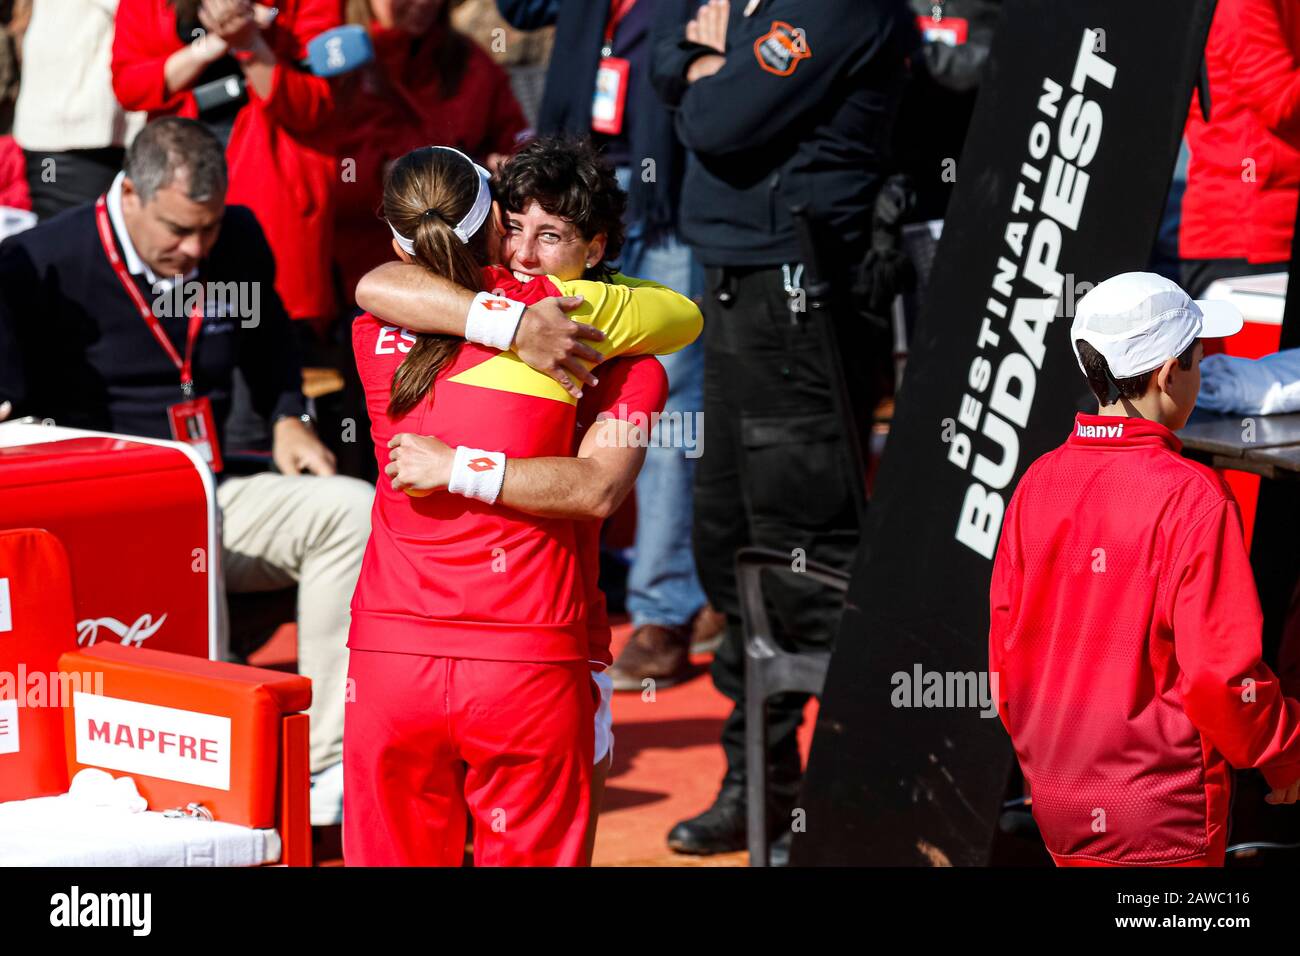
(667, 765)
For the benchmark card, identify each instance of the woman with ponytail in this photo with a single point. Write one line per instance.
(428, 191)
(469, 668)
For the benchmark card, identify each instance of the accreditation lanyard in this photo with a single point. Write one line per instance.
(192, 420)
(938, 27)
(185, 366)
(611, 77)
(618, 9)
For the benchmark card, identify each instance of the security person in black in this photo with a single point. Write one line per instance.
(780, 103)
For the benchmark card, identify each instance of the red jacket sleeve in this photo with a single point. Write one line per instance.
(13, 175)
(141, 47)
(298, 101)
(1265, 72)
(1004, 594)
(1228, 692)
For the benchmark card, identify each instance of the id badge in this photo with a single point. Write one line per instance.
(193, 424)
(949, 30)
(611, 95)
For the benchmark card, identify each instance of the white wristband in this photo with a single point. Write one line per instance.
(477, 474)
(492, 320)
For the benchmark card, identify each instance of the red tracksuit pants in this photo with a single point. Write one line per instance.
(428, 738)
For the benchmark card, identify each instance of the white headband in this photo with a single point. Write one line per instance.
(473, 219)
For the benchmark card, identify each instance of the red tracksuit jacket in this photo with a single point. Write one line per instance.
(279, 158)
(1125, 633)
(1244, 173)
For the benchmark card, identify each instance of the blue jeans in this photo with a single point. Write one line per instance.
(662, 587)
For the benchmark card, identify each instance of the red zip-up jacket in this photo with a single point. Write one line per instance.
(395, 105)
(1125, 636)
(1244, 173)
(280, 163)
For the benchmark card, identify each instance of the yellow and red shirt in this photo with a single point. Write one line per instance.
(452, 576)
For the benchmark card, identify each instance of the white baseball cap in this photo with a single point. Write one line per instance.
(1140, 320)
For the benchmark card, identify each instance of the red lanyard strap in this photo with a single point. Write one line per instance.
(618, 9)
(119, 269)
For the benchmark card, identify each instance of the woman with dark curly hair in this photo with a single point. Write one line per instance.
(471, 641)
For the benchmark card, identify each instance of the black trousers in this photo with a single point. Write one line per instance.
(774, 472)
(59, 181)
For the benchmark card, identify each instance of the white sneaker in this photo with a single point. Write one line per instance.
(327, 796)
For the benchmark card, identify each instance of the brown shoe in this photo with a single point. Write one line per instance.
(707, 628)
(656, 652)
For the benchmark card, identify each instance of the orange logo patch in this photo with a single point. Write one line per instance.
(781, 49)
(482, 464)
(496, 305)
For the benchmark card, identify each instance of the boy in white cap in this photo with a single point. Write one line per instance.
(1125, 626)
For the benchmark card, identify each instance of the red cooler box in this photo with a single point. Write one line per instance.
(138, 519)
(1261, 300)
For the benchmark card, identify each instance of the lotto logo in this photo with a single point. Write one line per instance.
(482, 464)
(496, 305)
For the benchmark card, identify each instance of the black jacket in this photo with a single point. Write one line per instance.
(940, 98)
(571, 83)
(790, 119)
(74, 348)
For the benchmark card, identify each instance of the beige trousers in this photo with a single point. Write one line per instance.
(281, 530)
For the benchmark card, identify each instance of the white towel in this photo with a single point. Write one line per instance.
(1239, 386)
(102, 822)
(97, 788)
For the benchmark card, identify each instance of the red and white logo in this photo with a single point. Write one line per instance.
(135, 634)
(482, 464)
(165, 742)
(1099, 431)
(496, 305)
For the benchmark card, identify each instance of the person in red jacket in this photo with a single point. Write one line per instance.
(427, 84)
(1243, 176)
(280, 165)
(609, 450)
(470, 639)
(1124, 637)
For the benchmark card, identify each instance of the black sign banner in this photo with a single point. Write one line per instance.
(1061, 184)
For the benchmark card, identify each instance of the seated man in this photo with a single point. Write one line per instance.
(90, 337)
